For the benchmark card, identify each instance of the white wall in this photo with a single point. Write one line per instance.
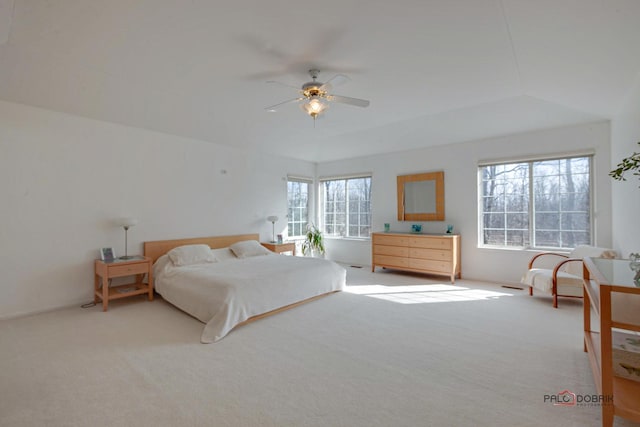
(459, 162)
(625, 134)
(65, 179)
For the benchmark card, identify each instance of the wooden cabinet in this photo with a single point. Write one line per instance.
(612, 296)
(423, 253)
(105, 271)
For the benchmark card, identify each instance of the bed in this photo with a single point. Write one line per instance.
(225, 289)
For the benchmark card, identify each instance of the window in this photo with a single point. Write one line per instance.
(346, 207)
(539, 204)
(298, 201)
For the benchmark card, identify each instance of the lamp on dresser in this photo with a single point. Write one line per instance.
(126, 223)
(273, 219)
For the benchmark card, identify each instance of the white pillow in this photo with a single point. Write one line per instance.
(191, 254)
(223, 254)
(249, 248)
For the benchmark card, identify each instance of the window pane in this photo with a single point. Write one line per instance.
(517, 203)
(575, 221)
(493, 204)
(548, 239)
(571, 239)
(517, 238)
(547, 221)
(546, 202)
(576, 202)
(546, 185)
(518, 221)
(494, 237)
(494, 220)
(548, 167)
(574, 183)
(578, 165)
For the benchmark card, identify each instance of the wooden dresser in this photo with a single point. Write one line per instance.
(423, 253)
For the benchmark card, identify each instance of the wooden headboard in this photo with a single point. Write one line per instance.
(156, 249)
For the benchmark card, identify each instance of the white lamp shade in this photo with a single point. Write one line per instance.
(272, 218)
(128, 222)
(314, 106)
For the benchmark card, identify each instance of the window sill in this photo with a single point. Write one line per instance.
(351, 239)
(527, 250)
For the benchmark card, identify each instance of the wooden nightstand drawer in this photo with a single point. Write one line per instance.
(128, 270)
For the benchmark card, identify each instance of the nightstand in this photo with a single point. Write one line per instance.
(105, 271)
(281, 247)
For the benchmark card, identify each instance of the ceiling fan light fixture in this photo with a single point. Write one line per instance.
(314, 106)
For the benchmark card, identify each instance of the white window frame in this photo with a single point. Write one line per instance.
(310, 192)
(531, 208)
(321, 204)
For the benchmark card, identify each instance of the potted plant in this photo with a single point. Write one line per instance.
(631, 163)
(314, 241)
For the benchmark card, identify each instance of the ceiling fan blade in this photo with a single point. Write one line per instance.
(282, 84)
(274, 108)
(336, 80)
(347, 100)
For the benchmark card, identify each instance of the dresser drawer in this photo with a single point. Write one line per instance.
(391, 250)
(128, 270)
(430, 242)
(390, 240)
(390, 261)
(434, 254)
(430, 265)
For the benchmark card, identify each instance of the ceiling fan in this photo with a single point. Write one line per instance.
(315, 96)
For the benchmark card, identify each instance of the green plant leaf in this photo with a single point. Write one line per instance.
(314, 240)
(631, 163)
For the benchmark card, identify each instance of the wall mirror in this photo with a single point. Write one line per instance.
(421, 197)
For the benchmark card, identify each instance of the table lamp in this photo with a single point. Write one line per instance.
(126, 223)
(273, 219)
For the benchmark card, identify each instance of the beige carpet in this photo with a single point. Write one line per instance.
(397, 350)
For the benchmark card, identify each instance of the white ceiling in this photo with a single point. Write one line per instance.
(435, 71)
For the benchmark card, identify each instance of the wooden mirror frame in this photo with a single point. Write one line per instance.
(438, 215)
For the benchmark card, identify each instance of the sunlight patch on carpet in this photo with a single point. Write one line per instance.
(422, 294)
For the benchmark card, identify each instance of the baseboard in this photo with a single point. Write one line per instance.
(44, 310)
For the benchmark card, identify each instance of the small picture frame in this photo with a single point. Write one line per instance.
(107, 254)
(279, 239)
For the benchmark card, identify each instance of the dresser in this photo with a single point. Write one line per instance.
(437, 254)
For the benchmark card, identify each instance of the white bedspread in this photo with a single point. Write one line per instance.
(223, 294)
